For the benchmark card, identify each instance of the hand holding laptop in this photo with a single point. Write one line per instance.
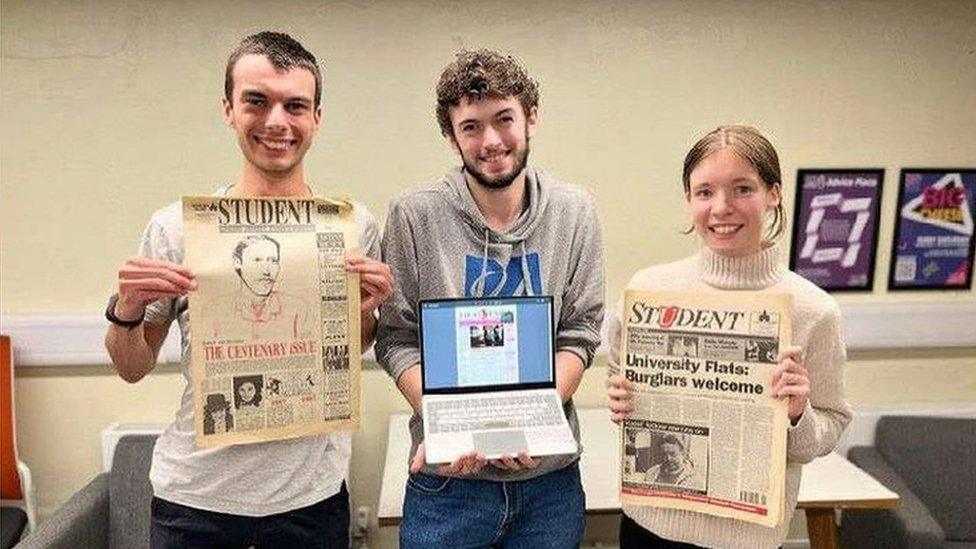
(471, 463)
(520, 462)
(466, 464)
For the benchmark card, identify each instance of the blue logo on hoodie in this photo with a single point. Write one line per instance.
(501, 281)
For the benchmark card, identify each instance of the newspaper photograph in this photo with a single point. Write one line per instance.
(275, 333)
(487, 345)
(706, 435)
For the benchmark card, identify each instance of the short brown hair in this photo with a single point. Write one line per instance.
(751, 146)
(483, 74)
(284, 53)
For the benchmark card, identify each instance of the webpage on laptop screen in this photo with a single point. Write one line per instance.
(486, 342)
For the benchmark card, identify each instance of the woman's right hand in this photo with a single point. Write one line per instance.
(621, 394)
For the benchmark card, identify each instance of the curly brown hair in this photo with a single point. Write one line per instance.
(483, 74)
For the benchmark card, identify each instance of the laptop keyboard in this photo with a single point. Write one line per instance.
(503, 412)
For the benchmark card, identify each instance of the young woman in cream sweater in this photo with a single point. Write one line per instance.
(733, 187)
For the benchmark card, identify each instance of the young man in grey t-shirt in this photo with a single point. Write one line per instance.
(491, 228)
(288, 493)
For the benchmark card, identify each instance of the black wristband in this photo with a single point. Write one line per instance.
(110, 315)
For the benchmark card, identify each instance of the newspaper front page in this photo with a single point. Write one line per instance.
(705, 435)
(274, 322)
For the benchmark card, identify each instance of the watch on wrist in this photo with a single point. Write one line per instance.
(110, 315)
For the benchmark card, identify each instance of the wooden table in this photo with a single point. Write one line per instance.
(829, 483)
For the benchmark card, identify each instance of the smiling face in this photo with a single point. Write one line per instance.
(273, 114)
(492, 138)
(728, 202)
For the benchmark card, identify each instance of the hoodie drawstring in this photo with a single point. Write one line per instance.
(478, 286)
(526, 275)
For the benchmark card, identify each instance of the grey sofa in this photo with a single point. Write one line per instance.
(931, 463)
(112, 511)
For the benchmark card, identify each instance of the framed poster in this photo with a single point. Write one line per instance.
(835, 227)
(933, 241)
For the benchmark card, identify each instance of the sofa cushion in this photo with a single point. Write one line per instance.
(937, 459)
(908, 526)
(13, 520)
(81, 522)
(130, 493)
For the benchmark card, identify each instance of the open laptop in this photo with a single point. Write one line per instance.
(489, 379)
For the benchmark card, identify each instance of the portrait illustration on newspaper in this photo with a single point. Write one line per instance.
(259, 306)
(275, 343)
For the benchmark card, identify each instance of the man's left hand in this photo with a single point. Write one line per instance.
(375, 281)
(522, 462)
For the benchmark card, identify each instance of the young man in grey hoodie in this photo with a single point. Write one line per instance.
(494, 227)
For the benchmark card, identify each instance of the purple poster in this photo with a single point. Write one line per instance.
(933, 245)
(835, 227)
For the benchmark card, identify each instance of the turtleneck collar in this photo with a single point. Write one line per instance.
(750, 272)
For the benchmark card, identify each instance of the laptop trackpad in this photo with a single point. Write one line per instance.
(490, 443)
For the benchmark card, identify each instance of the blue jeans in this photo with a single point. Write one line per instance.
(324, 524)
(543, 512)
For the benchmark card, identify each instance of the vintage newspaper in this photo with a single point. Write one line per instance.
(274, 321)
(706, 434)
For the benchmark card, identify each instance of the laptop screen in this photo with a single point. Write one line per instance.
(467, 344)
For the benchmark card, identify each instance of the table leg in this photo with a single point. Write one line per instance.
(822, 529)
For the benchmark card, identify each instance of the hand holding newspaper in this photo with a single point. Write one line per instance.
(706, 434)
(275, 333)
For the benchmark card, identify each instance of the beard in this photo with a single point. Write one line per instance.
(501, 181)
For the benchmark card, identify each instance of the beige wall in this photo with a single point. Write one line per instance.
(110, 110)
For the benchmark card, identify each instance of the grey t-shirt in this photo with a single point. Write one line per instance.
(249, 479)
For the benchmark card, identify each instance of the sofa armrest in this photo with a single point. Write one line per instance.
(910, 526)
(81, 522)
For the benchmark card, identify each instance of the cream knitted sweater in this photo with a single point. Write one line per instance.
(816, 328)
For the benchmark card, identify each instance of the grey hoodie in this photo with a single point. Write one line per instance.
(436, 243)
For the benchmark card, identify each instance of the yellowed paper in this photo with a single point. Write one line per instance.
(275, 333)
(706, 434)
